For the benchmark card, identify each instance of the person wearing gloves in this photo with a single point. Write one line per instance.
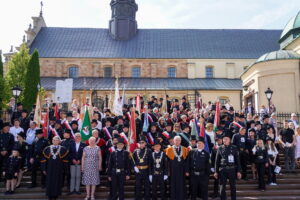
(198, 168)
(158, 170)
(141, 161)
(118, 170)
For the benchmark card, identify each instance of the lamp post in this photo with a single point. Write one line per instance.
(16, 93)
(269, 94)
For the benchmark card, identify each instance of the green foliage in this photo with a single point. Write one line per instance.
(17, 68)
(32, 80)
(2, 84)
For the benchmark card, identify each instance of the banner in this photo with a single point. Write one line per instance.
(37, 112)
(63, 91)
(86, 130)
(118, 103)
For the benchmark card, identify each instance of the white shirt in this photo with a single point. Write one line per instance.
(30, 136)
(212, 136)
(77, 146)
(14, 130)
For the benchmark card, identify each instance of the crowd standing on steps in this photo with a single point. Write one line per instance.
(174, 145)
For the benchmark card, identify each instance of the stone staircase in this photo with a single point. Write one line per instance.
(288, 188)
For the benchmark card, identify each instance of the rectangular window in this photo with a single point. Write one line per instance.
(136, 72)
(108, 72)
(73, 72)
(209, 72)
(171, 72)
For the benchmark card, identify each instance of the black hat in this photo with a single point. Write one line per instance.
(52, 118)
(251, 130)
(143, 138)
(121, 140)
(39, 131)
(257, 123)
(176, 100)
(161, 99)
(219, 136)
(109, 119)
(236, 115)
(107, 110)
(68, 131)
(69, 114)
(269, 138)
(183, 98)
(58, 121)
(228, 133)
(220, 128)
(120, 117)
(74, 122)
(15, 148)
(265, 117)
(242, 116)
(167, 96)
(201, 139)
(24, 111)
(193, 137)
(126, 125)
(116, 136)
(19, 104)
(251, 122)
(22, 134)
(94, 121)
(153, 124)
(231, 108)
(5, 124)
(169, 124)
(156, 142)
(186, 126)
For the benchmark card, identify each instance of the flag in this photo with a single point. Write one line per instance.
(199, 104)
(37, 112)
(117, 107)
(193, 125)
(86, 129)
(164, 108)
(217, 116)
(123, 96)
(146, 122)
(203, 135)
(45, 123)
(138, 103)
(132, 133)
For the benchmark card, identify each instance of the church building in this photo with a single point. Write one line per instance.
(177, 62)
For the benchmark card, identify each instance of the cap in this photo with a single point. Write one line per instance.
(193, 137)
(252, 130)
(265, 117)
(68, 131)
(74, 122)
(58, 121)
(19, 104)
(201, 139)
(143, 138)
(69, 114)
(38, 131)
(116, 136)
(22, 134)
(228, 133)
(24, 111)
(94, 121)
(153, 124)
(5, 124)
(156, 142)
(269, 138)
(121, 140)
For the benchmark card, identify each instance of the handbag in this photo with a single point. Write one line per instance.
(277, 170)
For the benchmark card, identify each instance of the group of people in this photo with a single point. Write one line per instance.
(168, 153)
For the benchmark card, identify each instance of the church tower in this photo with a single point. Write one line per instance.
(123, 25)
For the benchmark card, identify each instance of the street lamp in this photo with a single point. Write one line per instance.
(16, 93)
(269, 94)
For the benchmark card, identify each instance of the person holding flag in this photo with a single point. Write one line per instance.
(86, 129)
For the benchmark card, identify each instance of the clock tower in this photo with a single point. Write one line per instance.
(123, 25)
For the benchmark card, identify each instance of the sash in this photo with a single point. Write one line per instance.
(128, 115)
(150, 138)
(112, 149)
(66, 123)
(107, 133)
(123, 135)
(150, 118)
(184, 137)
(166, 134)
(53, 131)
(237, 124)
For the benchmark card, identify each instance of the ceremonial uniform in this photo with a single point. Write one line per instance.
(198, 167)
(37, 154)
(177, 164)
(141, 162)
(241, 142)
(118, 169)
(158, 172)
(261, 158)
(227, 165)
(13, 165)
(67, 143)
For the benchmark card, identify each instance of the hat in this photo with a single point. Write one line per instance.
(143, 138)
(58, 121)
(94, 121)
(39, 131)
(24, 111)
(68, 131)
(176, 100)
(252, 130)
(126, 125)
(228, 133)
(236, 114)
(269, 138)
(156, 142)
(107, 110)
(19, 104)
(22, 134)
(183, 98)
(193, 137)
(242, 116)
(153, 97)
(116, 136)
(120, 117)
(5, 124)
(201, 139)
(257, 123)
(52, 118)
(153, 124)
(109, 119)
(219, 136)
(169, 124)
(265, 117)
(121, 140)
(220, 128)
(293, 115)
(186, 126)
(69, 114)
(74, 122)
(231, 108)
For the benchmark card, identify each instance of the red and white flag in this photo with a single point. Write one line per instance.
(132, 136)
(166, 134)
(54, 132)
(123, 135)
(67, 125)
(107, 133)
(217, 115)
(150, 138)
(45, 123)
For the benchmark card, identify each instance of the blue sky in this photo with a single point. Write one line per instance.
(16, 15)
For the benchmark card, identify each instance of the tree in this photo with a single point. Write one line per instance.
(2, 84)
(32, 80)
(17, 68)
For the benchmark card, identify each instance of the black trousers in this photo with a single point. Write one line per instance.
(36, 166)
(199, 183)
(228, 174)
(142, 179)
(216, 186)
(158, 180)
(271, 174)
(244, 157)
(66, 174)
(260, 167)
(2, 163)
(117, 186)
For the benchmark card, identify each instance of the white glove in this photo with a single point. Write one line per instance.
(165, 177)
(212, 170)
(150, 178)
(136, 170)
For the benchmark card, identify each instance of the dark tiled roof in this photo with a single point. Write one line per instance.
(156, 43)
(92, 83)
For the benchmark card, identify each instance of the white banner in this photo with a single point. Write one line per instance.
(63, 91)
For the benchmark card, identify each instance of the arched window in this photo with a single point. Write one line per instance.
(73, 72)
(172, 72)
(223, 100)
(209, 72)
(136, 72)
(107, 72)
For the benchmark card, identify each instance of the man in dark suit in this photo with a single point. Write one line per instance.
(76, 151)
(249, 109)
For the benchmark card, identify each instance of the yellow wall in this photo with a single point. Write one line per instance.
(295, 45)
(282, 76)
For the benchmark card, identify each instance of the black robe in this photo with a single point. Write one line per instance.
(54, 169)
